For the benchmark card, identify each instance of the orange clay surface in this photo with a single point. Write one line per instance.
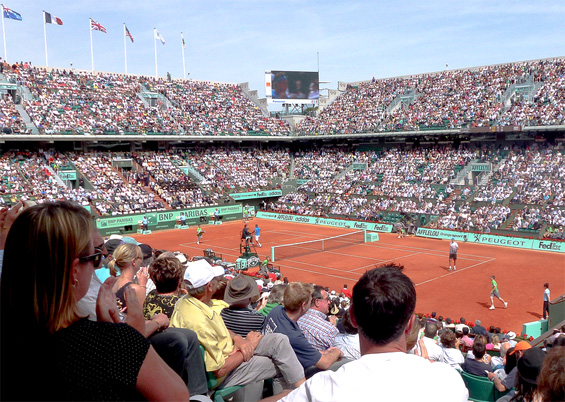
(463, 293)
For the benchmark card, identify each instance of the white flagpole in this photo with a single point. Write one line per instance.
(125, 52)
(155, 43)
(45, 36)
(183, 62)
(4, 35)
(91, 48)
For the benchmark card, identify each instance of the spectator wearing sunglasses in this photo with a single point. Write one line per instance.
(87, 305)
(43, 336)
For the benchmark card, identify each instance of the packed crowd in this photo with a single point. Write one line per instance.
(190, 321)
(82, 102)
(171, 183)
(447, 100)
(208, 108)
(232, 170)
(331, 181)
(99, 103)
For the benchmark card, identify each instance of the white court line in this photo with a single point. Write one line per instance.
(454, 272)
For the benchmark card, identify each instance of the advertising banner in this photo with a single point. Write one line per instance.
(256, 194)
(497, 240)
(370, 226)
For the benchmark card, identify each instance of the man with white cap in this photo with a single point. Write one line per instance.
(233, 359)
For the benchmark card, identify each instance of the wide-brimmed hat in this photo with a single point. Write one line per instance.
(240, 288)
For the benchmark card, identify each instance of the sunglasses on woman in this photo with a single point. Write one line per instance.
(95, 258)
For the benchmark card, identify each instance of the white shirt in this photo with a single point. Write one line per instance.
(435, 352)
(349, 345)
(393, 376)
(452, 356)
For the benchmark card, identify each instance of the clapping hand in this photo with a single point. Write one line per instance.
(106, 307)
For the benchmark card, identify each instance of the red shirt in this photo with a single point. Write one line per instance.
(346, 292)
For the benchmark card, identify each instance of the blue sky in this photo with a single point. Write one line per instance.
(237, 41)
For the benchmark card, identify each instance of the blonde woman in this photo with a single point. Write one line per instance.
(127, 260)
(72, 357)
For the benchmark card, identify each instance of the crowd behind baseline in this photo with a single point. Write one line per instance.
(390, 181)
(81, 102)
(250, 328)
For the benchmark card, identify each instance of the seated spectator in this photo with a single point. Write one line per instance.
(435, 352)
(233, 359)
(529, 367)
(450, 349)
(478, 329)
(466, 341)
(283, 320)
(315, 325)
(383, 311)
(239, 318)
(348, 341)
(508, 383)
(476, 364)
(127, 259)
(56, 239)
(274, 299)
(497, 362)
(166, 273)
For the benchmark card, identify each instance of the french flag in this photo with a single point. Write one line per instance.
(51, 19)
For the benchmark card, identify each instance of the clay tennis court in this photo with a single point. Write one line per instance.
(465, 292)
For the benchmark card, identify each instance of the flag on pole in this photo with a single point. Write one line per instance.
(128, 34)
(51, 19)
(158, 36)
(183, 43)
(95, 26)
(11, 14)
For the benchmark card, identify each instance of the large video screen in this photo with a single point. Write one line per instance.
(298, 86)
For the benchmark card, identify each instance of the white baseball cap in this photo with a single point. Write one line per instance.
(199, 273)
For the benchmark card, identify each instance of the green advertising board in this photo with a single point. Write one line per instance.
(496, 240)
(68, 174)
(481, 167)
(167, 219)
(256, 194)
(340, 223)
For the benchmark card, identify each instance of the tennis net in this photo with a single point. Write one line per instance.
(286, 251)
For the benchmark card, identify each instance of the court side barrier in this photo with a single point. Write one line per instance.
(496, 240)
(316, 220)
(166, 219)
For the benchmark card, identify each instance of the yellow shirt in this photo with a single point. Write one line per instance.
(212, 333)
(218, 305)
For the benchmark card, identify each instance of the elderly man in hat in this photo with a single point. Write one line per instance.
(240, 292)
(233, 359)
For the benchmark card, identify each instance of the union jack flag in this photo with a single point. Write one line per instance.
(128, 34)
(95, 26)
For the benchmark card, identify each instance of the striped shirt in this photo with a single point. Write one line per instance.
(243, 320)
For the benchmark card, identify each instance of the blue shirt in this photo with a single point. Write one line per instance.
(279, 323)
(257, 231)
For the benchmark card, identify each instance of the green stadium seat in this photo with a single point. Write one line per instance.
(481, 389)
(217, 395)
